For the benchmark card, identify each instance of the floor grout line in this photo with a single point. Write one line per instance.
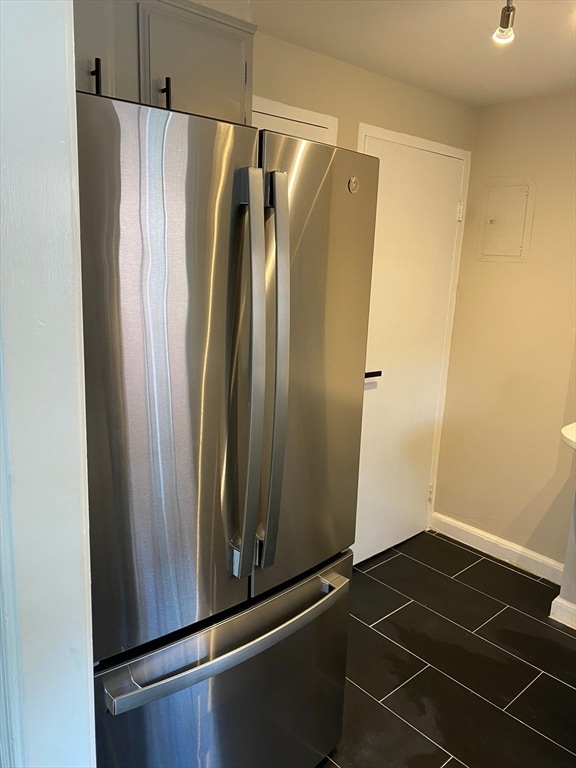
(415, 559)
(363, 690)
(570, 752)
(405, 681)
(522, 691)
(389, 587)
(468, 566)
(377, 564)
(529, 615)
(440, 671)
(493, 559)
(486, 594)
(416, 729)
(537, 670)
(432, 610)
(490, 619)
(390, 614)
(462, 583)
(450, 758)
(458, 682)
(432, 666)
(399, 717)
(473, 631)
(524, 661)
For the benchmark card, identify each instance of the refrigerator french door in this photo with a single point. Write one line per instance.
(225, 316)
(321, 305)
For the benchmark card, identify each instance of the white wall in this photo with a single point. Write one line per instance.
(293, 75)
(503, 468)
(44, 509)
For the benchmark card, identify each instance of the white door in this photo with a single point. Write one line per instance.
(421, 196)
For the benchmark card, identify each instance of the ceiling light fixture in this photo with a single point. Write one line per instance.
(505, 33)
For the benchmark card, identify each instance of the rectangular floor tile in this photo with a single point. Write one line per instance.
(437, 553)
(477, 664)
(510, 587)
(440, 593)
(537, 643)
(549, 706)
(470, 728)
(371, 600)
(376, 664)
(374, 737)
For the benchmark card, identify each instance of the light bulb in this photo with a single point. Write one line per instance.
(503, 35)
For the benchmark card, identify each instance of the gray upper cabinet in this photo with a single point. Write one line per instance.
(206, 55)
(207, 59)
(94, 39)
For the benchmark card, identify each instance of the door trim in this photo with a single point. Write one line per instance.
(297, 115)
(366, 131)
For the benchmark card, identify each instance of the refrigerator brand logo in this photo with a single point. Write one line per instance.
(353, 185)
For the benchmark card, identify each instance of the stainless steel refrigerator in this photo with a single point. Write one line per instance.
(226, 279)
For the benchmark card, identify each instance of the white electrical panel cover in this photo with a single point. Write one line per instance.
(507, 213)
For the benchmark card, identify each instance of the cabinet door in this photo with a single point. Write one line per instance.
(94, 39)
(208, 61)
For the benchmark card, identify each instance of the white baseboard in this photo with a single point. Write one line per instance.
(563, 611)
(530, 561)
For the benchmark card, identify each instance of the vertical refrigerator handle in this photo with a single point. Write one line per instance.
(253, 198)
(279, 202)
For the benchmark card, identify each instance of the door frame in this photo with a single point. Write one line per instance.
(298, 116)
(366, 131)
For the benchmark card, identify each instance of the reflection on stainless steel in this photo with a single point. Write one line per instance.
(224, 355)
(149, 170)
(243, 552)
(331, 239)
(239, 716)
(157, 189)
(125, 691)
(278, 364)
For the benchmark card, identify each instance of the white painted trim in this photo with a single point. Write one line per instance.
(405, 139)
(448, 336)
(11, 736)
(298, 115)
(365, 130)
(43, 413)
(530, 561)
(563, 611)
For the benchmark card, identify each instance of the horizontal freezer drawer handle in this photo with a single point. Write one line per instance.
(124, 694)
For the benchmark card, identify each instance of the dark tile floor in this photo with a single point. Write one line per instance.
(453, 661)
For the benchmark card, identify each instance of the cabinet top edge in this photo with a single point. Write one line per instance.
(209, 13)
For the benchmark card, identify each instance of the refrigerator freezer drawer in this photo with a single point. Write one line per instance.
(262, 688)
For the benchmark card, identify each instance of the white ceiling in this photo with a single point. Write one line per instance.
(443, 46)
